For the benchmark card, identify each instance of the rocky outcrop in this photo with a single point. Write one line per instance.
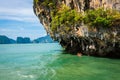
(5, 40)
(23, 40)
(81, 39)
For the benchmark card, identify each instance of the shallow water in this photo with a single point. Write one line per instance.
(46, 62)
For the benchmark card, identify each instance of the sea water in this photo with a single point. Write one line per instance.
(46, 61)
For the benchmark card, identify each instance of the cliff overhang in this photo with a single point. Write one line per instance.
(90, 27)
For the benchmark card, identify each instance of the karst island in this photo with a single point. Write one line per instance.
(88, 27)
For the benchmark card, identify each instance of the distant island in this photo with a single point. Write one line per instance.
(25, 40)
(6, 40)
(45, 39)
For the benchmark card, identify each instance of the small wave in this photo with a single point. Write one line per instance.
(53, 73)
(24, 76)
(27, 76)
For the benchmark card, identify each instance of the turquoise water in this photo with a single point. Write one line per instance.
(46, 62)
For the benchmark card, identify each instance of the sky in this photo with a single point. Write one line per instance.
(18, 19)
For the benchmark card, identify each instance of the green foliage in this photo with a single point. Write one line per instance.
(51, 4)
(48, 3)
(65, 17)
(116, 18)
(36, 1)
(101, 18)
(55, 23)
(97, 18)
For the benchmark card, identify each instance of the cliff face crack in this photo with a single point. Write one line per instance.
(90, 27)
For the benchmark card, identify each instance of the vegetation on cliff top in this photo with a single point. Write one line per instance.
(65, 18)
(46, 3)
(99, 18)
(35, 1)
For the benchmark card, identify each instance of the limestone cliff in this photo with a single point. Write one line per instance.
(78, 37)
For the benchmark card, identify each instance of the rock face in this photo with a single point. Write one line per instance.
(6, 40)
(23, 40)
(95, 42)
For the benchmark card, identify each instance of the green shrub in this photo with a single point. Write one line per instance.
(65, 17)
(101, 18)
(36, 1)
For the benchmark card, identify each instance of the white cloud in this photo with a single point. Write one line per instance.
(19, 10)
(26, 15)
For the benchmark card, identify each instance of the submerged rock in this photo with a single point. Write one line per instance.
(79, 37)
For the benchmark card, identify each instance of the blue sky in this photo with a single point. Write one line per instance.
(18, 19)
